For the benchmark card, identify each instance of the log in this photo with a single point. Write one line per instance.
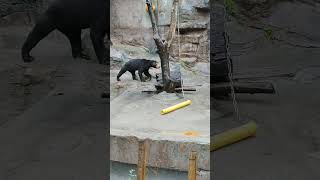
(186, 89)
(243, 87)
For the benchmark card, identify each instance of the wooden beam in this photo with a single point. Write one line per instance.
(142, 159)
(243, 87)
(192, 170)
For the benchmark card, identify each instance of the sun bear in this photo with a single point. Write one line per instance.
(70, 17)
(140, 65)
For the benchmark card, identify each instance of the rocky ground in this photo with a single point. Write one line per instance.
(51, 113)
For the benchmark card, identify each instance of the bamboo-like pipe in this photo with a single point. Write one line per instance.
(175, 107)
(233, 135)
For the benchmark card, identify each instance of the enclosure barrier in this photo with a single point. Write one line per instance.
(143, 158)
(175, 107)
(233, 135)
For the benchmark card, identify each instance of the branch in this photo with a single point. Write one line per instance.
(156, 35)
(173, 23)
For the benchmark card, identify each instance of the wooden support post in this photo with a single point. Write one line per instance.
(142, 159)
(192, 170)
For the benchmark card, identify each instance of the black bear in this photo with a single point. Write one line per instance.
(70, 17)
(140, 65)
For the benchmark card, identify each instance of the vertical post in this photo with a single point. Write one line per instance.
(157, 14)
(192, 170)
(142, 159)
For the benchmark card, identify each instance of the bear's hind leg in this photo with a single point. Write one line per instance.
(133, 73)
(74, 37)
(97, 34)
(141, 76)
(42, 28)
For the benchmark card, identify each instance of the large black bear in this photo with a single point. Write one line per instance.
(70, 17)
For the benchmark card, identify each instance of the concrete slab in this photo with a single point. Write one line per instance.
(136, 116)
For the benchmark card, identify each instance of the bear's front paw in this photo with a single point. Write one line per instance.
(27, 58)
(82, 55)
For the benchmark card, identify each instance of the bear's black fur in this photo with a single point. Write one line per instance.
(140, 65)
(70, 17)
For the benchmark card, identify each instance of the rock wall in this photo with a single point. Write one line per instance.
(8, 7)
(130, 24)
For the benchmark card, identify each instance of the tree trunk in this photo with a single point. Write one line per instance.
(163, 47)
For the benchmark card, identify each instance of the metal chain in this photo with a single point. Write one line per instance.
(233, 94)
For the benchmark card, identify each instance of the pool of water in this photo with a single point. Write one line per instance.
(120, 171)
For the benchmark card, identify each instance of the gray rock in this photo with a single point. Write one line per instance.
(189, 60)
(202, 4)
(118, 55)
(203, 68)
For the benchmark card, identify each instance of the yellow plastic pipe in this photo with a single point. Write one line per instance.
(233, 135)
(175, 107)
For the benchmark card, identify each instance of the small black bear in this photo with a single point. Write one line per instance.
(140, 65)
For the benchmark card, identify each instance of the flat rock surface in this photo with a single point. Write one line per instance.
(52, 119)
(137, 114)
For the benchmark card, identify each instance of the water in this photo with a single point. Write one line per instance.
(120, 171)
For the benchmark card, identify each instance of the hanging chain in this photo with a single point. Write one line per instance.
(178, 22)
(233, 94)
